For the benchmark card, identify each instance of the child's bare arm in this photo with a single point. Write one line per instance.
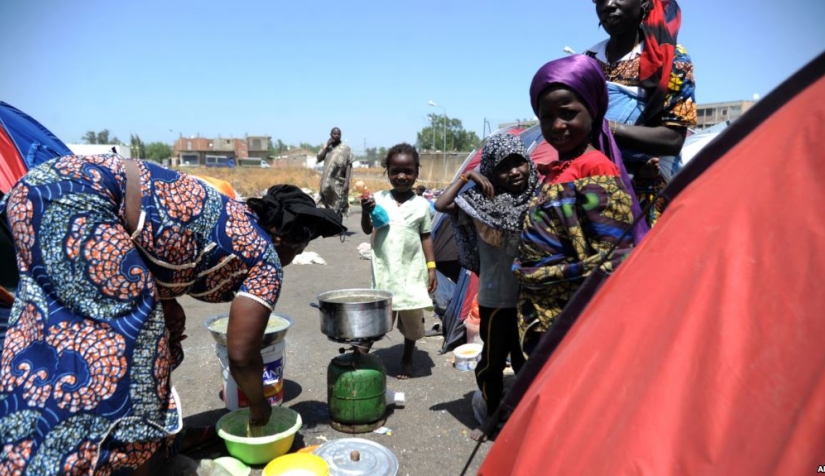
(367, 204)
(446, 202)
(429, 254)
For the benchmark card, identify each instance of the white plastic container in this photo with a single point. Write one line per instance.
(273, 376)
(395, 398)
(472, 328)
(467, 356)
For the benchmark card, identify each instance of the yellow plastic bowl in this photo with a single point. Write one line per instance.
(297, 464)
(278, 435)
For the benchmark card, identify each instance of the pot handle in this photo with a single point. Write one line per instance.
(315, 305)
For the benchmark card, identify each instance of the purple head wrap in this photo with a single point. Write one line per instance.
(584, 76)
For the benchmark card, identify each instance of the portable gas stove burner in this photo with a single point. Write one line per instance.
(363, 343)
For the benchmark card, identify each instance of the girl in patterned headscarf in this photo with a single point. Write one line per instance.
(583, 216)
(488, 216)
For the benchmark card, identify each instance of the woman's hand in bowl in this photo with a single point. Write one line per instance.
(259, 413)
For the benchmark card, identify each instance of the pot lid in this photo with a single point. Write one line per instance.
(357, 456)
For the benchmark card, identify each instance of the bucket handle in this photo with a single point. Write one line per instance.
(315, 305)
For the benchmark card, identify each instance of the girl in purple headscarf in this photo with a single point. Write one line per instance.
(583, 207)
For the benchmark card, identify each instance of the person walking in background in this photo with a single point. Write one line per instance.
(651, 88)
(403, 258)
(104, 246)
(578, 220)
(337, 158)
(488, 218)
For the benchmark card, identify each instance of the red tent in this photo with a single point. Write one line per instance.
(703, 353)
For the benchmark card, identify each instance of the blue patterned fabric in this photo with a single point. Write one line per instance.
(86, 360)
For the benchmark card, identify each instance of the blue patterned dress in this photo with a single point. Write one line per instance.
(86, 361)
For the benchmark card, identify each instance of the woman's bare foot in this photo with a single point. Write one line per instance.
(406, 371)
(478, 435)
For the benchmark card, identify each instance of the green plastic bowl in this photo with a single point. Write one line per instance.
(278, 435)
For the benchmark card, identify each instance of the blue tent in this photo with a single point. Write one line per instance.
(24, 143)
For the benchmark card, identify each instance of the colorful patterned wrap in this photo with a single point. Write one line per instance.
(580, 212)
(85, 366)
(676, 109)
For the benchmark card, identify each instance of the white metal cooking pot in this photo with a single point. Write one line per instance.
(355, 313)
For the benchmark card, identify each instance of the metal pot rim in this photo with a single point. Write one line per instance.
(329, 296)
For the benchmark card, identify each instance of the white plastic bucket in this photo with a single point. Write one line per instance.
(467, 356)
(273, 376)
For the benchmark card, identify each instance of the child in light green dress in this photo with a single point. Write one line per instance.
(403, 258)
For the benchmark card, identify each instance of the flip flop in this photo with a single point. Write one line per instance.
(435, 331)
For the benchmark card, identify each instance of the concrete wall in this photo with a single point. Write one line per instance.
(436, 169)
(302, 161)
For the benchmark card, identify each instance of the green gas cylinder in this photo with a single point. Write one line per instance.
(356, 389)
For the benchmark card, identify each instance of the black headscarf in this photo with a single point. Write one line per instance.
(294, 214)
(505, 211)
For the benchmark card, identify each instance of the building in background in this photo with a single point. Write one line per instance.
(296, 158)
(221, 152)
(525, 123)
(708, 115)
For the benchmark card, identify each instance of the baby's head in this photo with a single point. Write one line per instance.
(402, 165)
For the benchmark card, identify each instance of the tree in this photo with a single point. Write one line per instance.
(278, 147)
(371, 154)
(136, 146)
(308, 146)
(375, 155)
(432, 137)
(101, 137)
(158, 151)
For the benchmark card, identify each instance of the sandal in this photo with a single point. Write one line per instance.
(434, 332)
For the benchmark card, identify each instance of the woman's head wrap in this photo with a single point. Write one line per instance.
(582, 75)
(659, 28)
(505, 211)
(294, 214)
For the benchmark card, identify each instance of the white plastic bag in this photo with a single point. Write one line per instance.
(309, 257)
(365, 250)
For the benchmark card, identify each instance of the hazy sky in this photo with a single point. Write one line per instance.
(293, 70)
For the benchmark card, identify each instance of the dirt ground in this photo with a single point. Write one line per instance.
(430, 434)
